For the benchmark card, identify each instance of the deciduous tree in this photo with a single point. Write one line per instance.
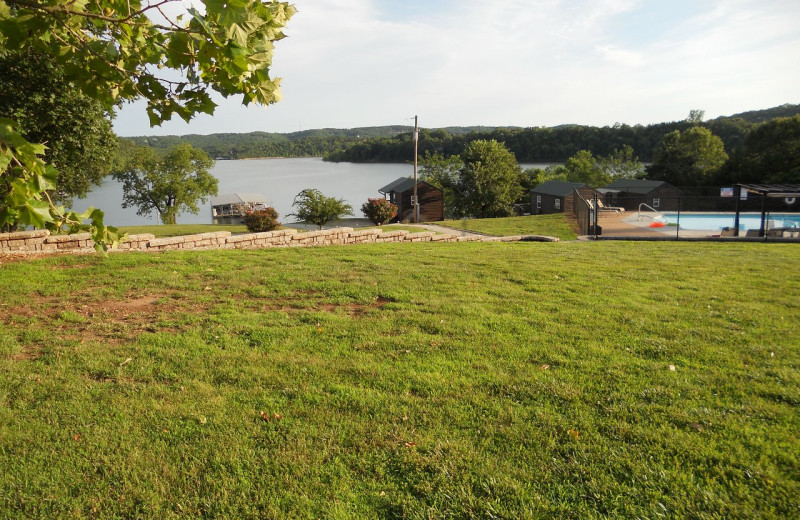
(134, 49)
(115, 51)
(170, 185)
(585, 167)
(770, 155)
(489, 183)
(50, 109)
(690, 158)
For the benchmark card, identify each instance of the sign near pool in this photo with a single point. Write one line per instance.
(726, 192)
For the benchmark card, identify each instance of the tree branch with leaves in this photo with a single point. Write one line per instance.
(113, 51)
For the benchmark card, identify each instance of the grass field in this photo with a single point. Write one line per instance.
(507, 380)
(555, 225)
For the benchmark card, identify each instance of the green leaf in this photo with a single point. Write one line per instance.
(35, 213)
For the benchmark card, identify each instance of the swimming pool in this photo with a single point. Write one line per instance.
(717, 221)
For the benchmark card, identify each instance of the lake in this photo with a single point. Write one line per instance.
(279, 180)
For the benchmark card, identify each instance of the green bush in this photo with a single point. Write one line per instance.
(261, 220)
(379, 211)
(314, 207)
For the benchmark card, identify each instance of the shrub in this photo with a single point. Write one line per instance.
(314, 207)
(261, 220)
(379, 211)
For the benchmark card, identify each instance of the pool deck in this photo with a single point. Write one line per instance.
(626, 226)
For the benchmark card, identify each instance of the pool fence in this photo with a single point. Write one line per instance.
(696, 217)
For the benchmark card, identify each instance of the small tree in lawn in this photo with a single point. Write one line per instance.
(379, 211)
(315, 208)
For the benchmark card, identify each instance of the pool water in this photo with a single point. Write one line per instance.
(717, 221)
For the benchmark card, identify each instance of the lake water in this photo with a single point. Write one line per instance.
(279, 180)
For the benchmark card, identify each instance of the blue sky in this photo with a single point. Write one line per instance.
(350, 63)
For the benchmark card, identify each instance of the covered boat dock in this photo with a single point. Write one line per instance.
(236, 205)
(790, 192)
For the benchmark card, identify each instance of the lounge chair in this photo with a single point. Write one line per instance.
(603, 207)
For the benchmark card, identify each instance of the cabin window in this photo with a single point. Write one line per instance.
(656, 203)
(558, 203)
(538, 202)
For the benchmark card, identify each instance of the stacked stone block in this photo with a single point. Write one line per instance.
(40, 241)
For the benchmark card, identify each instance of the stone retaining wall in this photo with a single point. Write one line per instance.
(40, 241)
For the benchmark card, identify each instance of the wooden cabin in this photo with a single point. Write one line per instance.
(630, 193)
(558, 197)
(401, 191)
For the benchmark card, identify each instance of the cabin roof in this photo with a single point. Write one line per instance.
(402, 185)
(640, 186)
(238, 198)
(557, 188)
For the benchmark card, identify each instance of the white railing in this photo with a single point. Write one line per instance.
(659, 217)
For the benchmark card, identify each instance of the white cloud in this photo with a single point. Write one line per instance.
(521, 62)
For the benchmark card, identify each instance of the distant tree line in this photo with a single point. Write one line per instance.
(685, 153)
(542, 144)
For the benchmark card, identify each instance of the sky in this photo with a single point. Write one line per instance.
(528, 63)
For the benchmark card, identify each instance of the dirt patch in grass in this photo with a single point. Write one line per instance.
(107, 321)
(140, 305)
(53, 307)
(356, 310)
(29, 353)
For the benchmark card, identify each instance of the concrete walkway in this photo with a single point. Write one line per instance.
(448, 230)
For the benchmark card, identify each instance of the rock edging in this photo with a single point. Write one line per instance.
(41, 241)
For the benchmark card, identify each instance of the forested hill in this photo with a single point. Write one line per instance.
(556, 144)
(393, 143)
(305, 143)
(762, 116)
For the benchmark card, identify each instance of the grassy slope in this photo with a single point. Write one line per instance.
(417, 381)
(555, 225)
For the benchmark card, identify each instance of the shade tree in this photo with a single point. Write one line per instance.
(168, 185)
(689, 158)
(49, 108)
(489, 183)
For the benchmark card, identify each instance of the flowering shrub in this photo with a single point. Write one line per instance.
(261, 220)
(379, 211)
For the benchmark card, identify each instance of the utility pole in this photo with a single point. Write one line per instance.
(416, 200)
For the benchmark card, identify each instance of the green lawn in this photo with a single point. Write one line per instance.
(501, 380)
(555, 225)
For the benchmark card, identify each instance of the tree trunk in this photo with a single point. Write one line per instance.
(169, 216)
